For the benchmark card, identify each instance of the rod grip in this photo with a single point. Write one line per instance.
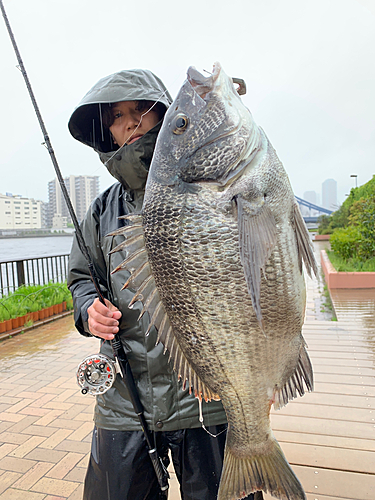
(160, 470)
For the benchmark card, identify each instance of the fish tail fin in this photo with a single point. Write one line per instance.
(269, 472)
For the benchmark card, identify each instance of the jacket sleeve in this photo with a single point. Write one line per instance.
(79, 280)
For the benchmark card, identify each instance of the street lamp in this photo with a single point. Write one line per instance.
(355, 175)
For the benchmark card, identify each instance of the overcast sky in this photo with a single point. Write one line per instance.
(308, 65)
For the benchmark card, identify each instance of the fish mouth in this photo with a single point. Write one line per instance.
(203, 84)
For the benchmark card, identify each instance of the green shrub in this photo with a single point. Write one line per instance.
(351, 265)
(31, 298)
(362, 216)
(342, 216)
(345, 242)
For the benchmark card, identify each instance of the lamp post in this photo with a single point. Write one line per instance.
(355, 175)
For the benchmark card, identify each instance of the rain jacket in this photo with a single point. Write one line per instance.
(167, 406)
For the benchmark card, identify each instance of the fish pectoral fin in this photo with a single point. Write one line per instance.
(304, 245)
(257, 238)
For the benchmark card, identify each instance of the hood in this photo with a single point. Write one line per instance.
(128, 85)
(130, 166)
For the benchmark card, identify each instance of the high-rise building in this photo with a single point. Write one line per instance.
(310, 196)
(329, 194)
(82, 190)
(86, 190)
(17, 212)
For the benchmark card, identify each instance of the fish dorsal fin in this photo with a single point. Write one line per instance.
(257, 238)
(304, 245)
(142, 281)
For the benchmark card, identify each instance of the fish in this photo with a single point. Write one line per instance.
(216, 257)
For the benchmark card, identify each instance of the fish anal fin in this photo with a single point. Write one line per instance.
(268, 471)
(295, 385)
(257, 238)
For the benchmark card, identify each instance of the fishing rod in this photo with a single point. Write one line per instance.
(96, 373)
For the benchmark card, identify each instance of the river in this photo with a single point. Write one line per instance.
(26, 248)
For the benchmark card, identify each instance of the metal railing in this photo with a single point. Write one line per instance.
(34, 271)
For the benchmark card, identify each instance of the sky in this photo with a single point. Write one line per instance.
(308, 66)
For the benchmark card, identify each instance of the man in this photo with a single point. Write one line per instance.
(120, 118)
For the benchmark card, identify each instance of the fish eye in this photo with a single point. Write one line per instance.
(180, 124)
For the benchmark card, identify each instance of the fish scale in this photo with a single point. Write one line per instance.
(219, 247)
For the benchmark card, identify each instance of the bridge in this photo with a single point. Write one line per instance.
(311, 206)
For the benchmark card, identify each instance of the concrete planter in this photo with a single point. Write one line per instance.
(335, 279)
(20, 321)
(322, 237)
(6, 325)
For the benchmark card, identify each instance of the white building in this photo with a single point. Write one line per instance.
(329, 194)
(17, 212)
(59, 222)
(310, 196)
(82, 190)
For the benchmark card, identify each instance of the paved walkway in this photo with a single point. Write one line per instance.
(45, 422)
(328, 436)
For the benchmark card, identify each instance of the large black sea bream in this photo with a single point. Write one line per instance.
(216, 258)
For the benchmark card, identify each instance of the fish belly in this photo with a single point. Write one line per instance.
(194, 255)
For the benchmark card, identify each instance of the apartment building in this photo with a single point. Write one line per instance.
(82, 190)
(17, 212)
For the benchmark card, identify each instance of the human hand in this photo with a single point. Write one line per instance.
(103, 319)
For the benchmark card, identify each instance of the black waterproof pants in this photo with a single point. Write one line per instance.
(120, 467)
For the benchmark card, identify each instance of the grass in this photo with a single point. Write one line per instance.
(32, 298)
(351, 265)
(327, 305)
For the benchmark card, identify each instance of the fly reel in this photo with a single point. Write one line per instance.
(96, 374)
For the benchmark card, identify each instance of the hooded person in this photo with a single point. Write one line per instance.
(120, 118)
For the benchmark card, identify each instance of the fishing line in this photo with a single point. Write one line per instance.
(137, 127)
(202, 423)
(134, 131)
(101, 121)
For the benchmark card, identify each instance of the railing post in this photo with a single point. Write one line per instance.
(20, 273)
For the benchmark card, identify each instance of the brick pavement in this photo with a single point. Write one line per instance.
(45, 423)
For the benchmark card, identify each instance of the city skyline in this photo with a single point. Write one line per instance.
(20, 212)
(312, 196)
(317, 114)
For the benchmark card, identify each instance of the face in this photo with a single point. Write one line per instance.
(129, 124)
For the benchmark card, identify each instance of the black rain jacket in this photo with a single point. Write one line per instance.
(167, 406)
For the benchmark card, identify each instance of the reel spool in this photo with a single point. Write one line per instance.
(96, 374)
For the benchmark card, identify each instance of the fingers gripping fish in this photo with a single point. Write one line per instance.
(216, 258)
